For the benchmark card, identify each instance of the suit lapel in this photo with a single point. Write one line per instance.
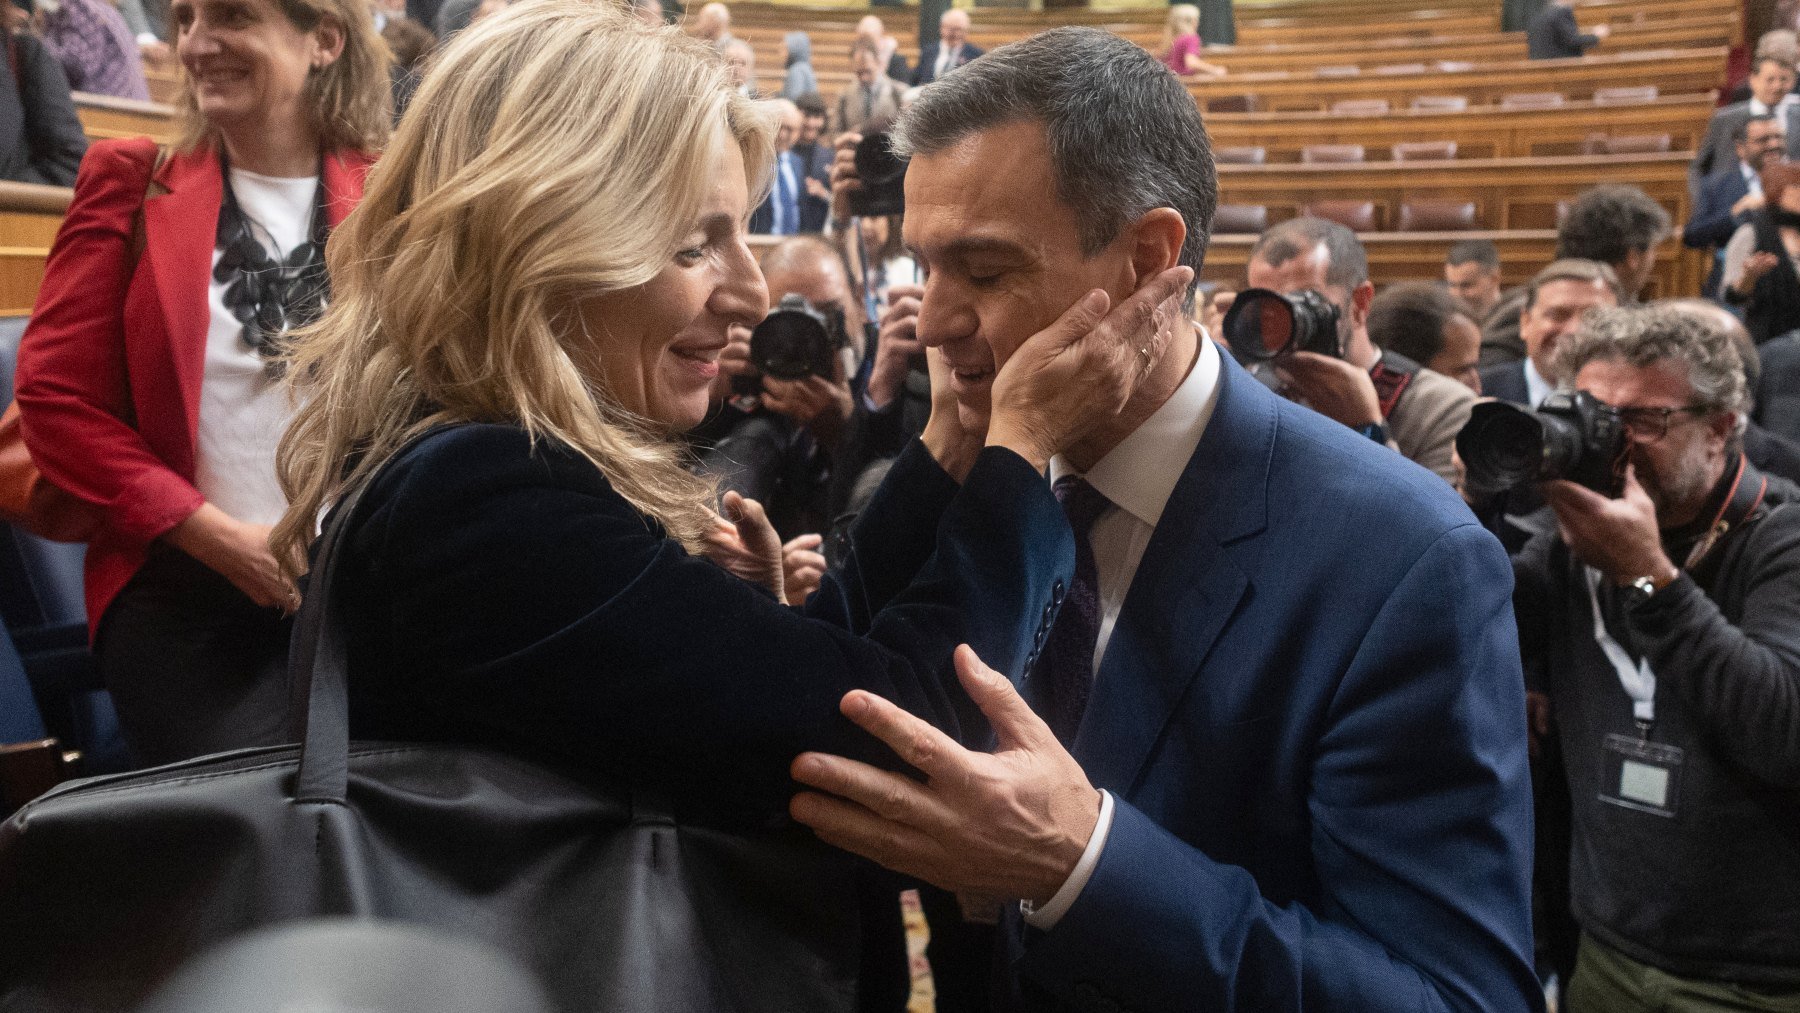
(1187, 587)
(180, 229)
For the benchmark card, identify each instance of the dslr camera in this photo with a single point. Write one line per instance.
(883, 177)
(1263, 324)
(1571, 436)
(798, 339)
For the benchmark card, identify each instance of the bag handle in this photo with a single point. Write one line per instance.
(318, 661)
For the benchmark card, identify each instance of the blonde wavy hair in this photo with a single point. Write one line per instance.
(1182, 19)
(554, 152)
(351, 99)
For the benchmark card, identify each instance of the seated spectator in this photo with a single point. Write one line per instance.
(1472, 272)
(1424, 323)
(1665, 627)
(1782, 43)
(1556, 301)
(1386, 397)
(1619, 226)
(871, 97)
(799, 78)
(740, 59)
(1181, 43)
(96, 48)
(713, 24)
(1763, 258)
(887, 48)
(952, 50)
(1729, 197)
(779, 214)
(40, 136)
(1771, 94)
(1553, 34)
(816, 155)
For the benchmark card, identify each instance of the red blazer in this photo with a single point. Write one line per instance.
(110, 366)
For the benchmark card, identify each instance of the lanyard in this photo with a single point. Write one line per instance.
(1636, 677)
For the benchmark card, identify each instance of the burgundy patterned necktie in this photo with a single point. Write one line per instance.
(1058, 687)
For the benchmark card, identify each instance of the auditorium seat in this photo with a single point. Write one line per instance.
(1424, 151)
(1241, 155)
(1334, 153)
(1233, 104)
(1400, 68)
(1532, 100)
(1435, 216)
(1635, 95)
(1345, 70)
(1440, 103)
(1358, 216)
(1635, 144)
(1240, 219)
(1361, 107)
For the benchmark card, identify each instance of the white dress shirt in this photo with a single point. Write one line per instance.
(1536, 387)
(1137, 477)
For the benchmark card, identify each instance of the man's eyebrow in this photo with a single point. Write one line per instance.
(975, 245)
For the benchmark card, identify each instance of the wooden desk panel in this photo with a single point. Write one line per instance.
(29, 218)
(104, 117)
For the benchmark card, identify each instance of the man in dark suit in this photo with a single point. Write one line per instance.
(780, 213)
(1771, 87)
(1557, 299)
(951, 51)
(1553, 34)
(1728, 197)
(1281, 751)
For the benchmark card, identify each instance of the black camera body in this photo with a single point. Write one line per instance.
(1574, 436)
(798, 339)
(1264, 324)
(882, 175)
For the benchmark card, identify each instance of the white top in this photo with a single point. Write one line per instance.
(242, 411)
(1752, 178)
(1137, 477)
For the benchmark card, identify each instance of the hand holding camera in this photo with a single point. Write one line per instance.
(1333, 387)
(1619, 537)
(897, 344)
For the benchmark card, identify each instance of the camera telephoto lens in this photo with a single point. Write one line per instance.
(882, 175)
(1570, 436)
(1263, 324)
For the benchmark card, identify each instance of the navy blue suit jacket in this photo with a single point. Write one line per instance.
(1312, 715)
(926, 71)
(1712, 222)
(1506, 382)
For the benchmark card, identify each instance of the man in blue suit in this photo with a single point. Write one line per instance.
(952, 50)
(1275, 753)
(1729, 196)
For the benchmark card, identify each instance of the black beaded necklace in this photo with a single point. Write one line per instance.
(270, 297)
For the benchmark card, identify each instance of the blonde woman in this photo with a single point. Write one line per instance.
(541, 277)
(1181, 43)
(147, 380)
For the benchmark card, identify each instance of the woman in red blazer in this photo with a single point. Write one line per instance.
(146, 380)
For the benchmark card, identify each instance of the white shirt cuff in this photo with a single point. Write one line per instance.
(1046, 917)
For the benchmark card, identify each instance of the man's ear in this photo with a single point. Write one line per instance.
(1157, 238)
(329, 37)
(1360, 298)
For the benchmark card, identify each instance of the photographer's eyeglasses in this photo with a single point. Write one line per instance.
(1647, 425)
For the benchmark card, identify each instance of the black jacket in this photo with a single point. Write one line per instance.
(40, 137)
(1713, 893)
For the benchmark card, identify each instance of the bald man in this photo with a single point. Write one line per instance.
(875, 31)
(951, 51)
(713, 24)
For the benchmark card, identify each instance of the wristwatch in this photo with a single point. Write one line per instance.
(1642, 589)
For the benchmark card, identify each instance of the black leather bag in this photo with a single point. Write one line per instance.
(108, 884)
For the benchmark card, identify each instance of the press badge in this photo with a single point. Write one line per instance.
(1640, 775)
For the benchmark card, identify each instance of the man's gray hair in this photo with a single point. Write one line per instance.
(1348, 265)
(1641, 336)
(1125, 136)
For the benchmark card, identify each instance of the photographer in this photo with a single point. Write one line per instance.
(1384, 396)
(772, 439)
(1664, 623)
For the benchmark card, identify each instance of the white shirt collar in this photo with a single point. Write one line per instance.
(1758, 109)
(1536, 387)
(1140, 474)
